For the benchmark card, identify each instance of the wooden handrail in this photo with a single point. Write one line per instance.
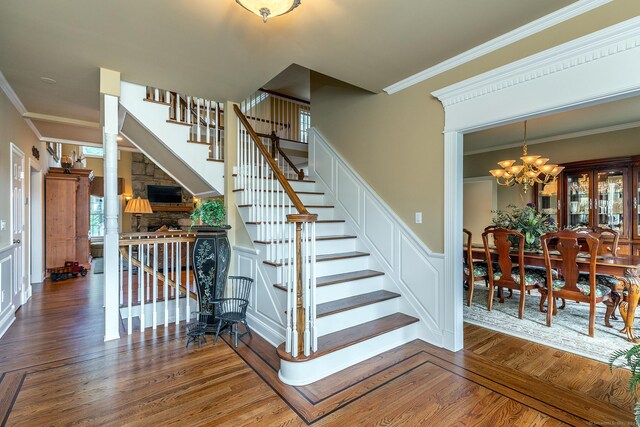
(275, 142)
(149, 270)
(303, 213)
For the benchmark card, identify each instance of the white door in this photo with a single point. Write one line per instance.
(17, 222)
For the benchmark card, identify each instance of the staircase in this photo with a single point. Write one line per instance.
(183, 135)
(336, 300)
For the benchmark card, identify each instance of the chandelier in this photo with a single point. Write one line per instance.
(533, 170)
(269, 8)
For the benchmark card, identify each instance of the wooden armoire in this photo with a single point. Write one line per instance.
(67, 217)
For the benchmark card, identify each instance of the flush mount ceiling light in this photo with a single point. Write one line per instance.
(269, 8)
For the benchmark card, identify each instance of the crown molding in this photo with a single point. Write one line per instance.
(19, 106)
(547, 21)
(607, 42)
(570, 135)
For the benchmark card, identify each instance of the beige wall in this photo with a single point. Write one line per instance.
(611, 144)
(124, 172)
(480, 199)
(395, 141)
(13, 129)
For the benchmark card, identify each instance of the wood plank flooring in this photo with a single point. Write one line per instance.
(55, 369)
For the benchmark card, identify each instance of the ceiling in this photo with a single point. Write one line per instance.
(294, 81)
(624, 113)
(217, 49)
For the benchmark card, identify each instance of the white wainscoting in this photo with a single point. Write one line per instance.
(265, 313)
(7, 278)
(410, 267)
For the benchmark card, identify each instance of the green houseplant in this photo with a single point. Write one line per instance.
(526, 220)
(630, 359)
(209, 213)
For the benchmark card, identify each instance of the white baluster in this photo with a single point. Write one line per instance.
(130, 290)
(198, 120)
(121, 279)
(155, 285)
(178, 278)
(141, 286)
(207, 107)
(148, 277)
(165, 284)
(156, 94)
(188, 118)
(188, 284)
(314, 334)
(216, 136)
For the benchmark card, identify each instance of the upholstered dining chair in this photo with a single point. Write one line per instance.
(472, 271)
(570, 283)
(506, 274)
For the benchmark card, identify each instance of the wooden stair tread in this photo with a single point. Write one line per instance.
(198, 142)
(176, 122)
(356, 334)
(356, 301)
(334, 279)
(320, 221)
(327, 257)
(215, 160)
(288, 179)
(318, 193)
(318, 239)
(306, 206)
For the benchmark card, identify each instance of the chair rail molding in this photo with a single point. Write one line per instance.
(596, 68)
(410, 267)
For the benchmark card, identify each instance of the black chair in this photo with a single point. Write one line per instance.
(232, 310)
(197, 327)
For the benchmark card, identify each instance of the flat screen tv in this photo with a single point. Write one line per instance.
(164, 194)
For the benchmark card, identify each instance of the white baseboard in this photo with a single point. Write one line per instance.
(6, 321)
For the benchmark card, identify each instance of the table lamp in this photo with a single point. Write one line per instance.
(138, 207)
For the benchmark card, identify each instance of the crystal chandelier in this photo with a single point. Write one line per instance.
(269, 8)
(533, 170)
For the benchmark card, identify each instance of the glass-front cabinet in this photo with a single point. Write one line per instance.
(602, 192)
(579, 204)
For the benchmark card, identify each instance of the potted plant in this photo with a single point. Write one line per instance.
(211, 254)
(630, 359)
(528, 221)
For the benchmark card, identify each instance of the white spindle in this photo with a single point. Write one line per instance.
(207, 107)
(177, 280)
(130, 290)
(188, 115)
(306, 286)
(121, 279)
(314, 335)
(141, 295)
(188, 284)
(148, 278)
(155, 285)
(165, 284)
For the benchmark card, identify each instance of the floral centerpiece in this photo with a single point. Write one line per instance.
(528, 221)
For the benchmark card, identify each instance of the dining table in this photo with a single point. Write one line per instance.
(624, 267)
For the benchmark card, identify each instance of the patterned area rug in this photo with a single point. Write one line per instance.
(569, 329)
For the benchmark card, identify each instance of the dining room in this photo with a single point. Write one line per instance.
(553, 202)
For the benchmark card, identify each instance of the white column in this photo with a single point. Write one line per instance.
(111, 237)
(452, 286)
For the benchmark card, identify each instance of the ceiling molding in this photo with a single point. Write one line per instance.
(61, 120)
(86, 143)
(547, 21)
(570, 135)
(19, 106)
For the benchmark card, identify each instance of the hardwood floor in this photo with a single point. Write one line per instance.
(55, 369)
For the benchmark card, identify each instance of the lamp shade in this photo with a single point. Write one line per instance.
(269, 8)
(138, 206)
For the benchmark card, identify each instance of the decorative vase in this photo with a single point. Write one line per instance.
(210, 262)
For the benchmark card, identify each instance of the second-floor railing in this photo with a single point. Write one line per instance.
(205, 118)
(268, 112)
(286, 227)
(156, 283)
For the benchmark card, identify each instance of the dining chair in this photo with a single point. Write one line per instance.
(506, 274)
(570, 283)
(472, 271)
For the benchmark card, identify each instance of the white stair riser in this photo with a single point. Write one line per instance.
(349, 318)
(302, 373)
(322, 229)
(322, 247)
(267, 213)
(324, 268)
(348, 289)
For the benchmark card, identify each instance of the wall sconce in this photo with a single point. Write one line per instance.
(127, 197)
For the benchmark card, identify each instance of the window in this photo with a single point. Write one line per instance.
(96, 216)
(93, 151)
(305, 124)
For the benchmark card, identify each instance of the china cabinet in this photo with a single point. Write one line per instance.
(602, 192)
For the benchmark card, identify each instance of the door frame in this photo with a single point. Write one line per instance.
(20, 275)
(35, 251)
(593, 69)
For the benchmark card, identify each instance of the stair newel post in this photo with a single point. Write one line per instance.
(300, 311)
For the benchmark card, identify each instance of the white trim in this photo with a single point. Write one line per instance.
(13, 97)
(547, 21)
(249, 251)
(88, 144)
(561, 78)
(579, 134)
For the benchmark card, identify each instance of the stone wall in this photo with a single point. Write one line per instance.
(144, 172)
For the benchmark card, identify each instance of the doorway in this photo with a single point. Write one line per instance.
(36, 228)
(17, 224)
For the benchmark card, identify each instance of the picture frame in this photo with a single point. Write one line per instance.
(55, 149)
